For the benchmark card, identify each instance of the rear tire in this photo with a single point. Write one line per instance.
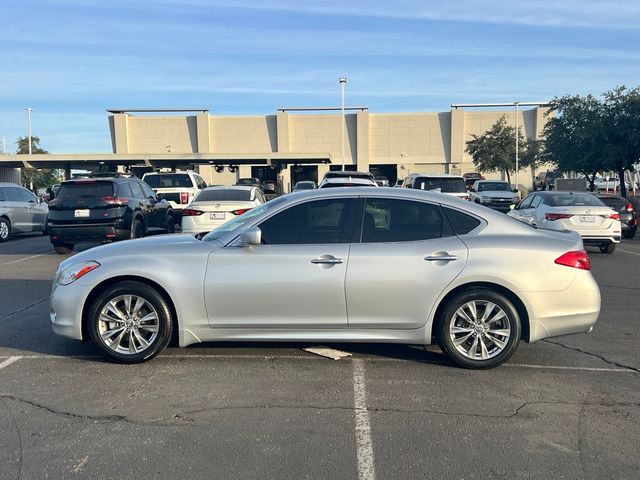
(608, 247)
(630, 233)
(479, 329)
(117, 326)
(137, 228)
(171, 224)
(63, 248)
(5, 229)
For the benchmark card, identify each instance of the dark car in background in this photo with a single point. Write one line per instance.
(106, 209)
(250, 182)
(628, 215)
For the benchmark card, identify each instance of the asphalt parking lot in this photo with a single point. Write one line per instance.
(568, 407)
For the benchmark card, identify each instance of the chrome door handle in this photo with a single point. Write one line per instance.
(327, 260)
(441, 258)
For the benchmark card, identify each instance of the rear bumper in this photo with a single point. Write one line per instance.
(596, 240)
(87, 233)
(573, 310)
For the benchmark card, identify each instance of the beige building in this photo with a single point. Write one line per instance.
(389, 144)
(293, 144)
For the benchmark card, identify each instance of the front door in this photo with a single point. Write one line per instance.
(295, 279)
(405, 259)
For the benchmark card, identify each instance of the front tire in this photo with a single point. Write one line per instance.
(130, 322)
(479, 329)
(608, 247)
(5, 229)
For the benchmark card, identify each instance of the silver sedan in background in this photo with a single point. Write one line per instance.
(336, 265)
(20, 211)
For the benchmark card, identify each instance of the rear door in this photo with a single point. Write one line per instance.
(405, 257)
(19, 214)
(295, 279)
(34, 214)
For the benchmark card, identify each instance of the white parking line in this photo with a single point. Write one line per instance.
(629, 252)
(23, 259)
(9, 361)
(364, 443)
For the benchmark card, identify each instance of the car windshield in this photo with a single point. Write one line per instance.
(224, 195)
(304, 186)
(71, 191)
(237, 223)
(448, 185)
(248, 181)
(174, 180)
(574, 200)
(343, 174)
(494, 187)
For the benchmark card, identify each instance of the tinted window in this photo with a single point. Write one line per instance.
(388, 220)
(448, 185)
(536, 201)
(614, 202)
(321, 221)
(574, 200)
(137, 190)
(174, 180)
(73, 191)
(223, 195)
(461, 222)
(124, 191)
(494, 186)
(10, 194)
(3, 194)
(526, 203)
(146, 189)
(341, 174)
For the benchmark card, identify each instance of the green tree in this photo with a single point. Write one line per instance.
(495, 150)
(39, 178)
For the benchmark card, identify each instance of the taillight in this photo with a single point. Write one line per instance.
(184, 198)
(191, 212)
(629, 207)
(115, 200)
(557, 216)
(614, 216)
(576, 259)
(240, 211)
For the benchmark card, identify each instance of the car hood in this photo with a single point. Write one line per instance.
(161, 244)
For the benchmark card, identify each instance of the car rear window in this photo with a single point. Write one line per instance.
(446, 185)
(574, 200)
(173, 180)
(615, 203)
(345, 184)
(224, 195)
(494, 186)
(70, 191)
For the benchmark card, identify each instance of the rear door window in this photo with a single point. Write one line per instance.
(26, 196)
(393, 220)
(146, 190)
(460, 222)
(10, 194)
(137, 190)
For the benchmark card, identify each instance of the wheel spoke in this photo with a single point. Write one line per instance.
(110, 333)
(140, 302)
(503, 332)
(148, 317)
(488, 309)
(460, 340)
(473, 310)
(115, 345)
(498, 316)
(132, 344)
(484, 353)
(462, 314)
(106, 318)
(148, 328)
(127, 304)
(474, 348)
(456, 329)
(113, 308)
(141, 340)
(499, 343)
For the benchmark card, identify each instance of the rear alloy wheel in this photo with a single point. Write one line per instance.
(130, 322)
(608, 247)
(479, 329)
(63, 248)
(5, 229)
(137, 228)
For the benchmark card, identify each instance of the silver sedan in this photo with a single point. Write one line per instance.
(339, 265)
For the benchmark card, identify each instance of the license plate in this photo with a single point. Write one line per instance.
(82, 213)
(216, 216)
(587, 219)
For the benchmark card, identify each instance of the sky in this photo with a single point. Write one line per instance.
(70, 60)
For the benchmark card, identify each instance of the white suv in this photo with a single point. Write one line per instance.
(178, 188)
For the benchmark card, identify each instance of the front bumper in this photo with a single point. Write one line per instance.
(65, 311)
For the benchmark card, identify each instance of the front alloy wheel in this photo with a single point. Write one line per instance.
(130, 322)
(479, 329)
(5, 230)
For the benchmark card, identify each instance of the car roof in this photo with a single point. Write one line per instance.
(99, 179)
(230, 187)
(9, 184)
(435, 175)
(185, 172)
(365, 181)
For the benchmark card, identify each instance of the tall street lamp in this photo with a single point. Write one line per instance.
(29, 110)
(343, 82)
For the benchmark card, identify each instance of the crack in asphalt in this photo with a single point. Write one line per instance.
(596, 355)
(22, 309)
(183, 417)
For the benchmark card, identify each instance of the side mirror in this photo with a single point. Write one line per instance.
(515, 190)
(251, 236)
(160, 196)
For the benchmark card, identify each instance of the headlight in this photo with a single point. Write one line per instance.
(74, 272)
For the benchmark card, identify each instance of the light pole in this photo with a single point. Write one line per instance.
(29, 110)
(343, 82)
(517, 142)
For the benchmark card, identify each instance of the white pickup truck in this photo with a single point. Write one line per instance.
(178, 188)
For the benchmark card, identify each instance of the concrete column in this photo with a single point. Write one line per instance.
(457, 136)
(282, 128)
(203, 132)
(120, 132)
(362, 141)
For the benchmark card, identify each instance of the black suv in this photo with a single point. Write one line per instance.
(106, 209)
